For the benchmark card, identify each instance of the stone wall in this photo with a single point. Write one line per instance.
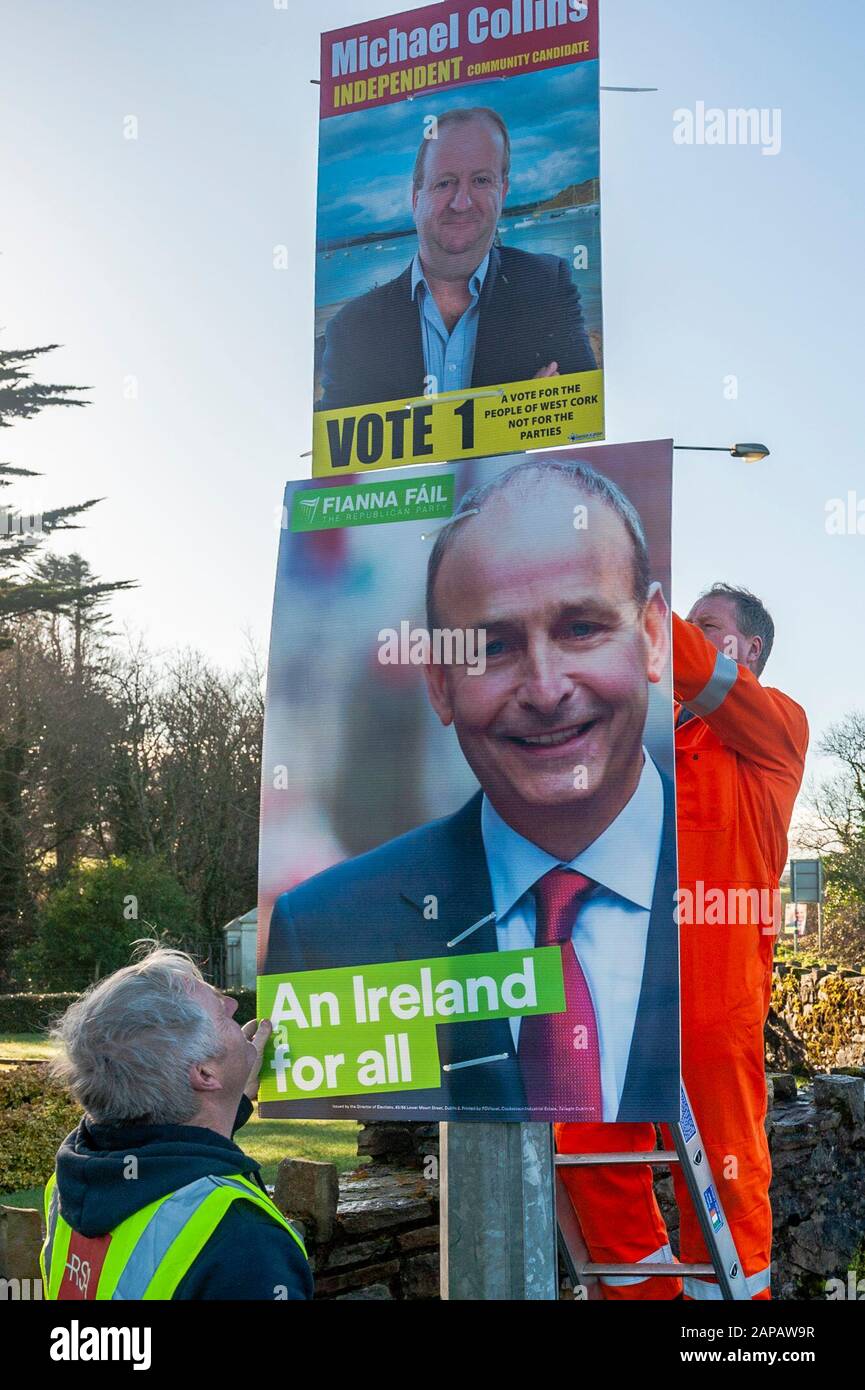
(817, 1142)
(818, 1018)
(372, 1234)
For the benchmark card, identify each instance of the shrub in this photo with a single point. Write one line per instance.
(844, 924)
(31, 1013)
(86, 928)
(245, 1004)
(36, 1114)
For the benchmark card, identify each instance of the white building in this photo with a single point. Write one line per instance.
(241, 938)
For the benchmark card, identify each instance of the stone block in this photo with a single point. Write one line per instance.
(424, 1238)
(332, 1284)
(845, 1094)
(361, 1252)
(374, 1291)
(20, 1242)
(408, 1144)
(783, 1085)
(310, 1192)
(379, 1199)
(820, 1245)
(420, 1276)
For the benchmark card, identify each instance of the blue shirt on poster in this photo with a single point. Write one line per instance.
(448, 357)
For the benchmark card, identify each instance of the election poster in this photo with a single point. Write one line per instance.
(468, 853)
(458, 244)
(795, 918)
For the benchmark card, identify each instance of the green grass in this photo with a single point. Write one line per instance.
(267, 1141)
(326, 1141)
(14, 1046)
(30, 1197)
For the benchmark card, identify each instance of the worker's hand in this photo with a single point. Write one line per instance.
(552, 369)
(259, 1035)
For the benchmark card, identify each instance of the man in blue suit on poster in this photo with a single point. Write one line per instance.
(465, 312)
(571, 839)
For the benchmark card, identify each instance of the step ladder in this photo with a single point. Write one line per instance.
(703, 1190)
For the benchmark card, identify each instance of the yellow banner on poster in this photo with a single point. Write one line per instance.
(536, 414)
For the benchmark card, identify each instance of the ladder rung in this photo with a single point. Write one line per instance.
(651, 1269)
(598, 1160)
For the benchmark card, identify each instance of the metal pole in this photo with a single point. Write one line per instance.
(498, 1218)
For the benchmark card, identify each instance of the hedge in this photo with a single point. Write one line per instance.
(36, 1114)
(245, 1004)
(31, 1013)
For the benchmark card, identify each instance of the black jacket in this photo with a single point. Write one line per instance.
(530, 316)
(249, 1256)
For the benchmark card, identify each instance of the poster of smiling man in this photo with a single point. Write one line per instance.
(468, 850)
(458, 257)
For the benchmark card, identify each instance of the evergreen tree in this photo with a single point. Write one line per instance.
(30, 587)
(22, 592)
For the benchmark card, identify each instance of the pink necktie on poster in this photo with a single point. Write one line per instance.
(561, 1068)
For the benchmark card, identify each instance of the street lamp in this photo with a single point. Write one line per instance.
(751, 453)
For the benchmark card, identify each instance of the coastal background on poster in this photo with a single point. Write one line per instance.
(365, 234)
(536, 66)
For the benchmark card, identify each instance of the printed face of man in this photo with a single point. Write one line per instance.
(569, 651)
(457, 209)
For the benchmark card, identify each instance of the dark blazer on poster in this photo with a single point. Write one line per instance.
(370, 910)
(530, 316)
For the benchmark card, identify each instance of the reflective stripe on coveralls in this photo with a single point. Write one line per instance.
(739, 765)
(152, 1250)
(723, 679)
(703, 1291)
(663, 1255)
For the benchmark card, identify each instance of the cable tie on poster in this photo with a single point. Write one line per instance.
(476, 1061)
(472, 511)
(491, 916)
(480, 394)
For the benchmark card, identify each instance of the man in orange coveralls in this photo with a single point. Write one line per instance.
(740, 753)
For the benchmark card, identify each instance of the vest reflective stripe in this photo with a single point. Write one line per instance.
(52, 1257)
(52, 1207)
(715, 691)
(154, 1248)
(157, 1238)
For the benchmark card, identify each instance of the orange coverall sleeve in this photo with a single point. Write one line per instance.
(761, 724)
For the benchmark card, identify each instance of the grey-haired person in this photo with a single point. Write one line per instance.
(151, 1198)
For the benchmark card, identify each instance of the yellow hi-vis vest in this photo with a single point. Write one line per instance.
(149, 1253)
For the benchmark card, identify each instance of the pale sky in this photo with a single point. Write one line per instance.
(152, 259)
